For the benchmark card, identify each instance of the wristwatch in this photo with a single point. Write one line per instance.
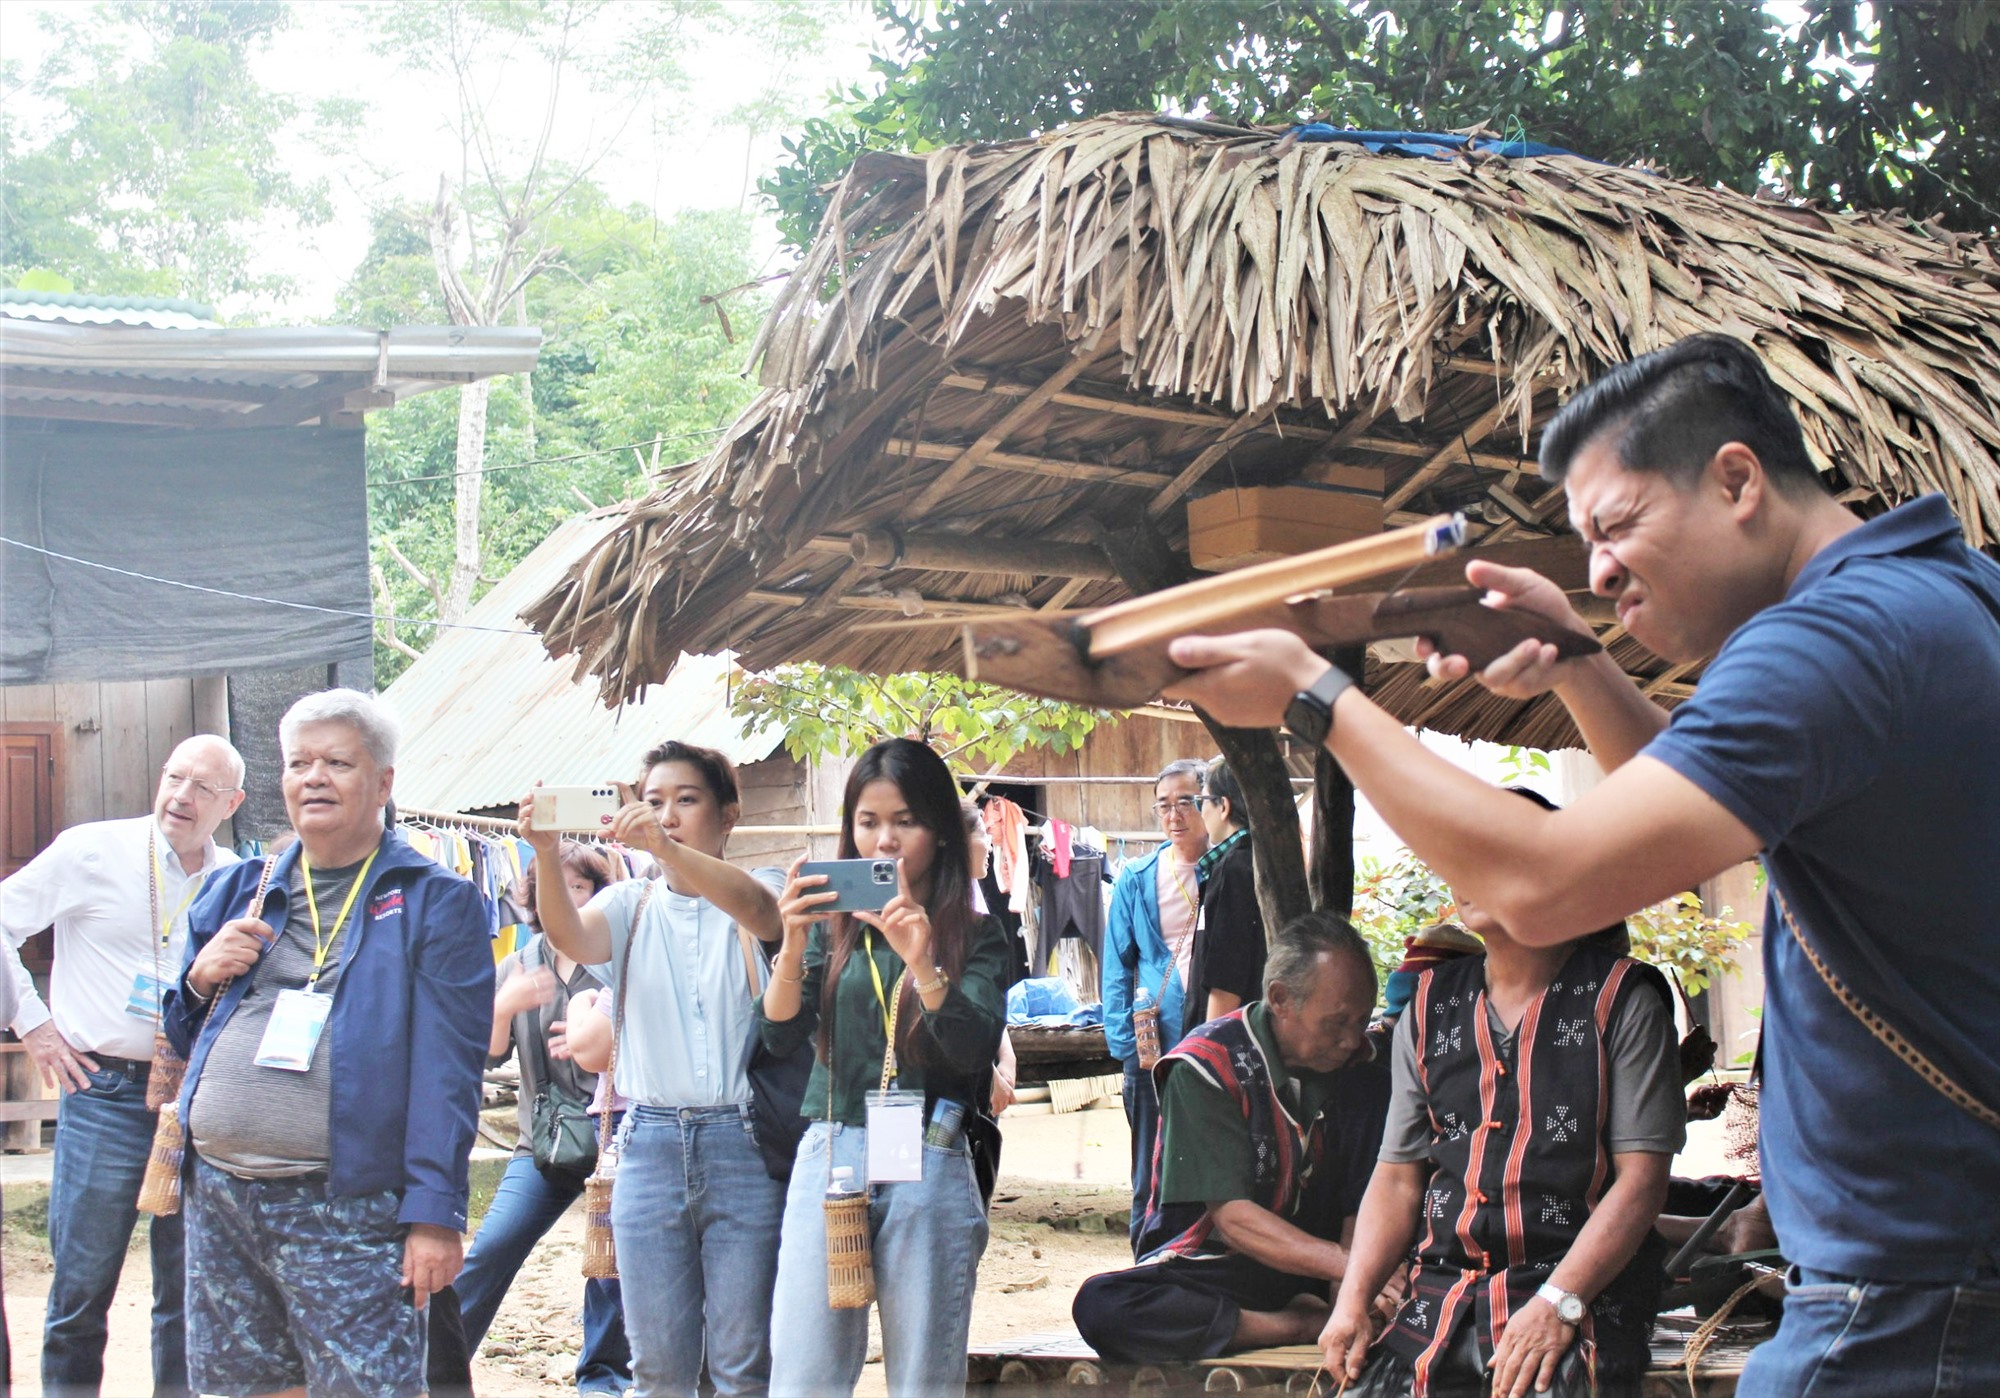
(1309, 717)
(1569, 1306)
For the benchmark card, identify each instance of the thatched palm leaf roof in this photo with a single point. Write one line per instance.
(1038, 340)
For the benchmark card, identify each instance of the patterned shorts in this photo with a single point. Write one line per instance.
(290, 1286)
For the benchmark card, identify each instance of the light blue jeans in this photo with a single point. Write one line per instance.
(696, 1221)
(928, 1236)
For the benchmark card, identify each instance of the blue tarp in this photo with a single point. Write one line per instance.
(1432, 144)
(1051, 1004)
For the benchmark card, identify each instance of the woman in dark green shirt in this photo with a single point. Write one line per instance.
(927, 971)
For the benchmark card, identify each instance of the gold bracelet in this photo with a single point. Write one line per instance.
(943, 982)
(799, 979)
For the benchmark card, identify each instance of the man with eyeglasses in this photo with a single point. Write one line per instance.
(117, 893)
(1148, 941)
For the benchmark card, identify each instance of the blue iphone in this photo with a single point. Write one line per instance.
(864, 885)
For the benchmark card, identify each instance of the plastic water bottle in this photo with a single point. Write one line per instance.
(1146, 1028)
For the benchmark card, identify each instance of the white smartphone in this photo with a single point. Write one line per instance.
(577, 809)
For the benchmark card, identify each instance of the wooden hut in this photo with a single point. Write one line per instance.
(1043, 373)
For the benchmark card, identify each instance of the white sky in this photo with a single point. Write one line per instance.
(669, 160)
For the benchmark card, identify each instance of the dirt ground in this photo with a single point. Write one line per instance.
(1058, 1216)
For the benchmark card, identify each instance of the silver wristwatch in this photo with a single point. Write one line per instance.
(1568, 1305)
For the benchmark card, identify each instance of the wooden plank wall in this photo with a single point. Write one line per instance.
(1139, 745)
(776, 791)
(115, 737)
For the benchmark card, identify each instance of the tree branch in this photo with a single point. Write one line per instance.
(387, 620)
(422, 579)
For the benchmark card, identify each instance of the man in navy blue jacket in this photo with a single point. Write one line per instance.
(334, 1050)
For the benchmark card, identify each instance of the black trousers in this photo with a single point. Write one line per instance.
(1180, 1307)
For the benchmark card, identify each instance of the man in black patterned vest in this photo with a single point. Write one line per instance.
(1270, 1117)
(1536, 1109)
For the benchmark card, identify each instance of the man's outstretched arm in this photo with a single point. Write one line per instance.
(1644, 834)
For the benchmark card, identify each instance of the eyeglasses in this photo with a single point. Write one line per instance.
(173, 781)
(1179, 805)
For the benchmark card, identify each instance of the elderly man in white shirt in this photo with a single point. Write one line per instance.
(117, 893)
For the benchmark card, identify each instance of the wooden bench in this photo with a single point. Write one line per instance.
(1055, 1360)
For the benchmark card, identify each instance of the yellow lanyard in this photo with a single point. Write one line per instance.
(160, 881)
(891, 1003)
(321, 948)
(1174, 873)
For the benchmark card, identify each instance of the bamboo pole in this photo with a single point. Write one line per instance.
(1182, 610)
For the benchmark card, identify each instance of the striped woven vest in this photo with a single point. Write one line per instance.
(1227, 1055)
(1519, 1160)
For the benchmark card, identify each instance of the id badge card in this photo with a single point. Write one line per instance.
(895, 1137)
(143, 1000)
(297, 1021)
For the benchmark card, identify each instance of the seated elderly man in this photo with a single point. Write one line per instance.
(1270, 1121)
(334, 1055)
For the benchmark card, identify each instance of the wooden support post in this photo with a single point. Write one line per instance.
(1332, 867)
(1147, 563)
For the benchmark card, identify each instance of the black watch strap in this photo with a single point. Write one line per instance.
(1309, 718)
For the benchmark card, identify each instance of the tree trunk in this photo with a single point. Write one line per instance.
(1332, 864)
(1147, 563)
(471, 461)
(525, 380)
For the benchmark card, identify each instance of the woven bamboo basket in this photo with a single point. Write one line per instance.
(160, 1191)
(600, 1249)
(163, 1084)
(850, 1269)
(1146, 1035)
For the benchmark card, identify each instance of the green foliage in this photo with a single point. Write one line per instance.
(1894, 104)
(631, 353)
(1519, 764)
(830, 711)
(160, 166)
(1395, 901)
(1680, 936)
(1401, 898)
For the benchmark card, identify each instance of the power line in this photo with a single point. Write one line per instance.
(550, 460)
(267, 601)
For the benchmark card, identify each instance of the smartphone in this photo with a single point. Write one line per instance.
(575, 808)
(864, 885)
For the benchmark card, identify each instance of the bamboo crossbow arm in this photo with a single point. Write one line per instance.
(1044, 654)
(1197, 606)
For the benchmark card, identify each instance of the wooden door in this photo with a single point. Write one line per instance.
(27, 792)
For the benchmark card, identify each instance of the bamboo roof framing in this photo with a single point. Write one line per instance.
(1036, 342)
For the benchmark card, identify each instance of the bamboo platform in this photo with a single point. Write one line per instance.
(1055, 1360)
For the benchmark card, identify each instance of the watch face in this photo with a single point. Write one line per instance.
(1570, 1308)
(1307, 720)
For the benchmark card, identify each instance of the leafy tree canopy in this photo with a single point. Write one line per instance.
(830, 711)
(1891, 105)
(159, 166)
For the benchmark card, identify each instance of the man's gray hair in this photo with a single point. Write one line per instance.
(1182, 767)
(367, 716)
(1297, 950)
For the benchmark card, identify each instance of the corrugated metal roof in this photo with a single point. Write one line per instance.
(485, 716)
(207, 377)
(159, 312)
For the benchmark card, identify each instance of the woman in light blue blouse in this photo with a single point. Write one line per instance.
(695, 1215)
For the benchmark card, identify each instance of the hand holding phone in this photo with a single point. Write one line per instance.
(859, 885)
(575, 809)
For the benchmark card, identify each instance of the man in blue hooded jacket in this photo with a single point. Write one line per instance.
(335, 1047)
(1147, 945)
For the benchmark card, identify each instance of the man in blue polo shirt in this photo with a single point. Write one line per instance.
(1844, 729)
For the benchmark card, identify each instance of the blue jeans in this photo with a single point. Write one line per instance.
(1142, 1114)
(928, 1236)
(104, 1135)
(1847, 1337)
(696, 1220)
(525, 1206)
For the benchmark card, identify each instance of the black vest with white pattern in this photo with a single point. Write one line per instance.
(1519, 1159)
